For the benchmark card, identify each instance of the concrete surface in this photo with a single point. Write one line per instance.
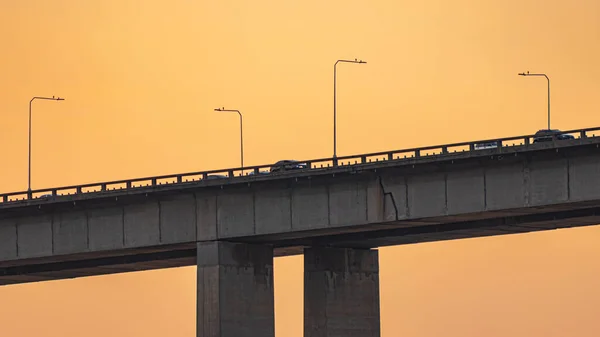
(235, 290)
(341, 293)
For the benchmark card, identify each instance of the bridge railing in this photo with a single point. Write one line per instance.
(494, 144)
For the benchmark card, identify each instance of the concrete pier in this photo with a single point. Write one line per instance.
(341, 292)
(235, 290)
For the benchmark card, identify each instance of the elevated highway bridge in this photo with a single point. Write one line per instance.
(335, 212)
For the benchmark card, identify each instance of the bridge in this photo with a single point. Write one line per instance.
(336, 213)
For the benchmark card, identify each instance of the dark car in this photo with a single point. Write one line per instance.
(260, 173)
(216, 176)
(287, 165)
(546, 135)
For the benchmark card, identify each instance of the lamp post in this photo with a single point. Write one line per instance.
(29, 171)
(529, 74)
(241, 132)
(334, 105)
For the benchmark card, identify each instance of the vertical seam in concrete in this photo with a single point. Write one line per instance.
(526, 182)
(568, 179)
(123, 225)
(291, 193)
(446, 193)
(382, 185)
(216, 217)
(17, 237)
(406, 197)
(253, 211)
(159, 221)
(195, 217)
(52, 232)
(87, 229)
(484, 189)
(328, 204)
(220, 318)
(217, 234)
(366, 191)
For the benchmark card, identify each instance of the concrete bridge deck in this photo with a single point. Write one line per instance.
(454, 195)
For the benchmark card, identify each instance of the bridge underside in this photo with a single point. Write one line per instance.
(364, 237)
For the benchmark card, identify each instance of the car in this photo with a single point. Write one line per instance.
(260, 173)
(287, 165)
(216, 176)
(486, 145)
(547, 135)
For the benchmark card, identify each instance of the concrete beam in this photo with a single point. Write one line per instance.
(341, 292)
(235, 290)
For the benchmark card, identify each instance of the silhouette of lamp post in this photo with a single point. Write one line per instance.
(529, 74)
(241, 132)
(29, 171)
(334, 105)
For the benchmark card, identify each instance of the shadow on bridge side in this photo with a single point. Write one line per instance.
(185, 255)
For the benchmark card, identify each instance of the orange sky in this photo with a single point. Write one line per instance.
(141, 79)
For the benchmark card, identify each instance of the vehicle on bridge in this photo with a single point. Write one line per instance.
(216, 176)
(259, 173)
(287, 165)
(546, 135)
(486, 145)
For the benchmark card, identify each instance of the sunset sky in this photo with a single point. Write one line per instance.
(141, 80)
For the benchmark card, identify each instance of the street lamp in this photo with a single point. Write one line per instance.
(528, 74)
(241, 132)
(29, 173)
(334, 106)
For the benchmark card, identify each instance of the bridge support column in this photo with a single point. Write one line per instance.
(235, 290)
(341, 292)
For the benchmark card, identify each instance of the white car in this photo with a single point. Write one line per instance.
(486, 145)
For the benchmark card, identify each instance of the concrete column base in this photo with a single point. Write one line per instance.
(341, 292)
(235, 290)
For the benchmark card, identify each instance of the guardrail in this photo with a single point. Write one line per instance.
(397, 155)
